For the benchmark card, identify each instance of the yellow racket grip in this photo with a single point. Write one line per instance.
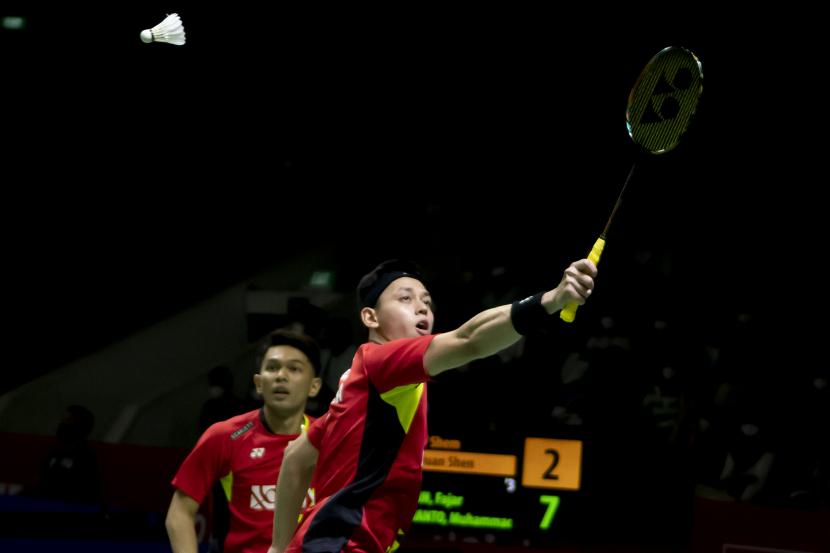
(569, 313)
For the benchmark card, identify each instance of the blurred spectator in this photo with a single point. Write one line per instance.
(222, 403)
(338, 350)
(70, 470)
(664, 401)
(304, 317)
(802, 477)
(735, 451)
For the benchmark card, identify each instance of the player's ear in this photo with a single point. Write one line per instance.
(316, 383)
(258, 383)
(369, 317)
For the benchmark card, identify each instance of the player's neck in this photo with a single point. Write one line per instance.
(376, 337)
(281, 424)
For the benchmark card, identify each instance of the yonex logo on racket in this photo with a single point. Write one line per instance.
(664, 102)
(663, 99)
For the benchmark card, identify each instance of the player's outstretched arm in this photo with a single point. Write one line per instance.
(494, 329)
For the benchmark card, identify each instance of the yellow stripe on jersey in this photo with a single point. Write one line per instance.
(227, 485)
(395, 544)
(405, 400)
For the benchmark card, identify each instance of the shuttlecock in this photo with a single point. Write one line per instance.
(170, 30)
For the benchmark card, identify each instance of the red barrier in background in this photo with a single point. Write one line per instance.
(132, 477)
(137, 478)
(734, 527)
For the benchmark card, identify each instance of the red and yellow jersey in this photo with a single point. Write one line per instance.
(245, 456)
(371, 445)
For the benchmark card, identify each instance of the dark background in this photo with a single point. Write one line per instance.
(140, 178)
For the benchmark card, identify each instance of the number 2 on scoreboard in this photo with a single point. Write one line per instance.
(552, 464)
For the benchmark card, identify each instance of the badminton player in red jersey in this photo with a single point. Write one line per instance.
(244, 452)
(366, 453)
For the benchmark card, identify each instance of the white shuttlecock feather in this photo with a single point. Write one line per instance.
(170, 30)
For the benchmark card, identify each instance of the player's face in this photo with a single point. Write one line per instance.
(404, 310)
(286, 380)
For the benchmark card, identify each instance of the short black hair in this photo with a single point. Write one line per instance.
(302, 342)
(373, 283)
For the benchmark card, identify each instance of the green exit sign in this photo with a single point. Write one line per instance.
(322, 279)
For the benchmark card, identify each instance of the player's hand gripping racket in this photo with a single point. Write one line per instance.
(660, 107)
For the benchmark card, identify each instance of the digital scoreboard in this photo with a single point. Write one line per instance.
(509, 496)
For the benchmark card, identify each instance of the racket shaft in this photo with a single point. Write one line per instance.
(569, 313)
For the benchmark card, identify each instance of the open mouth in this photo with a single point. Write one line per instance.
(422, 325)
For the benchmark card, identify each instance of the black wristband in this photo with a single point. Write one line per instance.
(528, 315)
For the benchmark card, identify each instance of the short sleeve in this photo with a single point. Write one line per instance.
(317, 430)
(397, 363)
(207, 463)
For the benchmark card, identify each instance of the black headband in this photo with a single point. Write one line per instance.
(373, 284)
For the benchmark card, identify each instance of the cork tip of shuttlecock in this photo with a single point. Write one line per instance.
(146, 36)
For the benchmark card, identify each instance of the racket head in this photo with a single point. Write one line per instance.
(664, 99)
